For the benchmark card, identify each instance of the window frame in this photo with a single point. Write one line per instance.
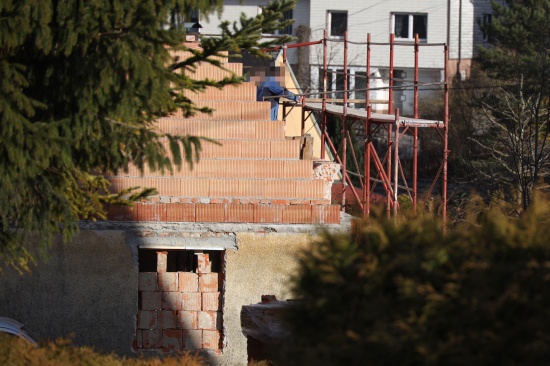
(410, 30)
(329, 23)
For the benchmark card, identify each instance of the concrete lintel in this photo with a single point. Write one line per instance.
(201, 228)
(212, 243)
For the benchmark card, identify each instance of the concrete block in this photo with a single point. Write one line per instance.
(187, 319)
(211, 301)
(211, 339)
(150, 338)
(147, 319)
(190, 301)
(147, 281)
(208, 282)
(171, 300)
(167, 319)
(168, 281)
(150, 301)
(192, 339)
(188, 282)
(209, 320)
(172, 339)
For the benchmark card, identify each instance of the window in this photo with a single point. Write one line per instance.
(405, 26)
(180, 294)
(337, 23)
(287, 15)
(487, 19)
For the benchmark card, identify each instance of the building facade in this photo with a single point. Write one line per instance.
(453, 22)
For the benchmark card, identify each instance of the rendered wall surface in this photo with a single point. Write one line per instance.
(89, 288)
(261, 266)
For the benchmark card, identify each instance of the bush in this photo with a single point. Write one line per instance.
(17, 352)
(406, 294)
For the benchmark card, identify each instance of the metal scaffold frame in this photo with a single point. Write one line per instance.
(387, 170)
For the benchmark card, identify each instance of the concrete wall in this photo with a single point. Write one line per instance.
(89, 288)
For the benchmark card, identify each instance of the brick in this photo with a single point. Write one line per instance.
(194, 187)
(171, 300)
(168, 281)
(188, 282)
(310, 188)
(280, 202)
(147, 281)
(240, 213)
(167, 319)
(192, 339)
(191, 301)
(268, 213)
(210, 213)
(180, 212)
(279, 188)
(147, 319)
(150, 338)
(150, 300)
(151, 212)
(211, 339)
(320, 202)
(209, 320)
(162, 261)
(208, 282)
(297, 214)
(203, 263)
(187, 319)
(119, 213)
(325, 214)
(172, 339)
(211, 301)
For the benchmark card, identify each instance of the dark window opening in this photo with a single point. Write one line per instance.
(147, 260)
(487, 20)
(338, 23)
(419, 26)
(406, 26)
(287, 15)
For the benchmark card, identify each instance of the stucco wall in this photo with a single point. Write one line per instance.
(261, 266)
(89, 288)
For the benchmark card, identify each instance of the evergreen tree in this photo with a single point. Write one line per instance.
(514, 144)
(81, 83)
(400, 291)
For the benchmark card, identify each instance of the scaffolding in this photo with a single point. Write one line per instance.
(386, 170)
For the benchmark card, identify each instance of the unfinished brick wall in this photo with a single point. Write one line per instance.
(180, 303)
(255, 174)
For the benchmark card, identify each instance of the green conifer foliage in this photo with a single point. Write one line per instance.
(401, 292)
(81, 83)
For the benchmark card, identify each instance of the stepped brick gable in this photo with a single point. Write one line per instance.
(254, 175)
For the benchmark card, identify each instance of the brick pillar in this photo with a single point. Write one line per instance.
(203, 263)
(162, 262)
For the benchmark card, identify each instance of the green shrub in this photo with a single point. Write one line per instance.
(17, 352)
(406, 294)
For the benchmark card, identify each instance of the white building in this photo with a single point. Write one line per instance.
(454, 22)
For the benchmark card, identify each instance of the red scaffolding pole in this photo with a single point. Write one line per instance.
(388, 171)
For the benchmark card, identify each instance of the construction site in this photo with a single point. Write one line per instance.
(172, 273)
